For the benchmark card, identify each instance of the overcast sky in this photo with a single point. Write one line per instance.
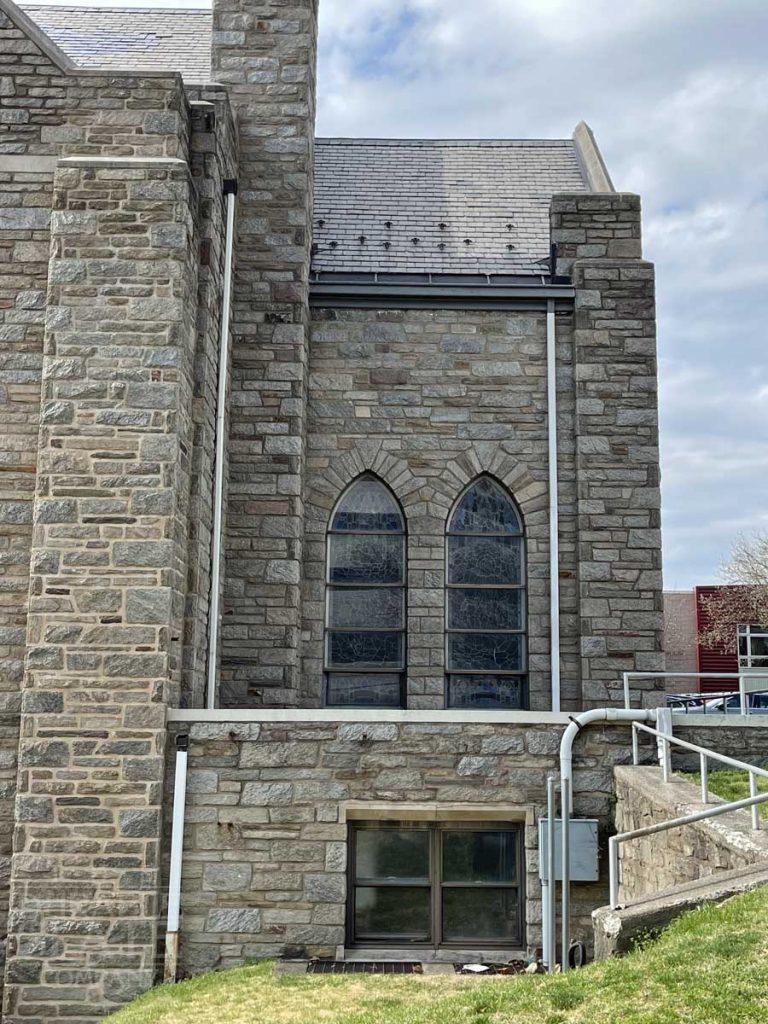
(677, 94)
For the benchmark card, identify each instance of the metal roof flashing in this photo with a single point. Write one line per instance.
(439, 291)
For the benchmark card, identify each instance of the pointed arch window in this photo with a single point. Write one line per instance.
(365, 598)
(486, 657)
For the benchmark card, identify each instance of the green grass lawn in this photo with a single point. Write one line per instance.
(709, 967)
(731, 785)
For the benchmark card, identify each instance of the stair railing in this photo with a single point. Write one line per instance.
(666, 741)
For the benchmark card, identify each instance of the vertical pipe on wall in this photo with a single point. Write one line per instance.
(551, 953)
(554, 541)
(214, 611)
(170, 968)
(565, 868)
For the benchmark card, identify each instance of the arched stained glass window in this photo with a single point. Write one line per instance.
(485, 606)
(365, 598)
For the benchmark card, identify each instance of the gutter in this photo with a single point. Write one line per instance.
(428, 291)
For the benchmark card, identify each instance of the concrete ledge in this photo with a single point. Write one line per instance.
(404, 717)
(121, 161)
(362, 810)
(617, 930)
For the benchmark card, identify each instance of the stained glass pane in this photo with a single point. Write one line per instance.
(485, 508)
(363, 690)
(488, 560)
(479, 856)
(486, 692)
(365, 650)
(499, 652)
(485, 609)
(368, 505)
(480, 914)
(366, 559)
(389, 854)
(402, 911)
(351, 608)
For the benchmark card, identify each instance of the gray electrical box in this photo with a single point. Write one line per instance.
(584, 852)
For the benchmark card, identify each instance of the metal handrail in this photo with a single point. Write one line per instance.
(664, 826)
(665, 741)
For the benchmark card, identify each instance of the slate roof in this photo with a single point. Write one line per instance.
(130, 38)
(414, 206)
(381, 205)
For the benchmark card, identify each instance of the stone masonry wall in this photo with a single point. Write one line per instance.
(265, 861)
(265, 53)
(668, 859)
(264, 870)
(617, 464)
(108, 574)
(45, 111)
(428, 400)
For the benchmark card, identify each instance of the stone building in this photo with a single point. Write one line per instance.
(439, 482)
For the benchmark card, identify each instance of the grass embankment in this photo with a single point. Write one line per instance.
(709, 967)
(731, 785)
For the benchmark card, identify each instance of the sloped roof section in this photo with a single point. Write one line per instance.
(417, 206)
(126, 38)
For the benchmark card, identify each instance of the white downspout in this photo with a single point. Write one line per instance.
(579, 722)
(214, 612)
(554, 538)
(170, 969)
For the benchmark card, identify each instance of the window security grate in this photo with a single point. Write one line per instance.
(363, 967)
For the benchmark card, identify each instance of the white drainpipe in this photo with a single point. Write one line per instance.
(579, 722)
(177, 849)
(554, 540)
(214, 614)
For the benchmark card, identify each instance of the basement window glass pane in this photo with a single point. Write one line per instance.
(480, 914)
(365, 598)
(389, 854)
(485, 649)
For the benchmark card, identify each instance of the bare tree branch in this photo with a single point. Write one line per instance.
(744, 598)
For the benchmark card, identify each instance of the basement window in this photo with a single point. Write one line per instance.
(445, 884)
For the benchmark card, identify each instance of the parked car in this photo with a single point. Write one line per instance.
(757, 704)
(693, 702)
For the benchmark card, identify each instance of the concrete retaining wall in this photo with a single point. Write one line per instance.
(667, 859)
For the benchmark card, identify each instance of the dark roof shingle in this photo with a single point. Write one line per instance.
(413, 206)
(383, 205)
(130, 38)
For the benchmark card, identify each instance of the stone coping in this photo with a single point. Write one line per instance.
(406, 716)
(121, 161)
